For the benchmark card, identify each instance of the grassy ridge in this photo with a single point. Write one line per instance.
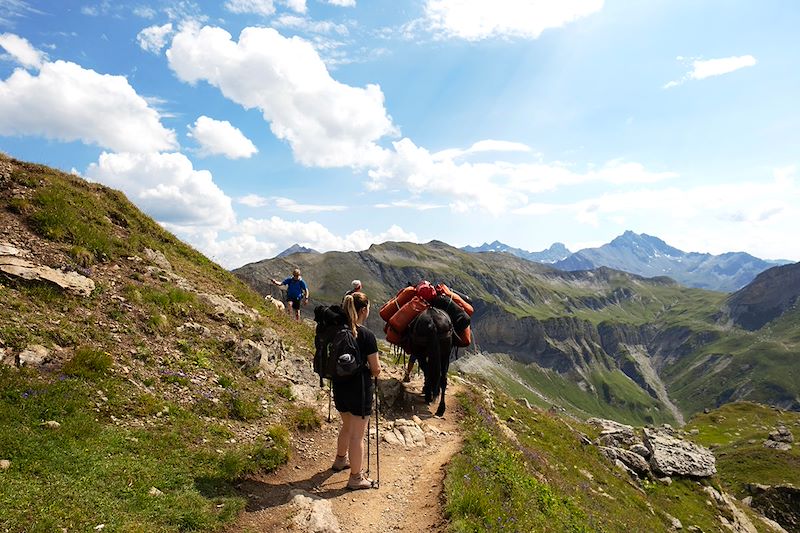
(546, 479)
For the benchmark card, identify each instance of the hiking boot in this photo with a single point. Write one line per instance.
(359, 481)
(340, 463)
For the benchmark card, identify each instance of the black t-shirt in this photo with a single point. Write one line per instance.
(367, 344)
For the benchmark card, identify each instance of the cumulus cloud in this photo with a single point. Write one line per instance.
(153, 38)
(497, 186)
(220, 137)
(327, 123)
(21, 51)
(253, 200)
(255, 239)
(475, 20)
(702, 69)
(167, 187)
(97, 109)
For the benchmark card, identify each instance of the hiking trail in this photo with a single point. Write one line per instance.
(410, 497)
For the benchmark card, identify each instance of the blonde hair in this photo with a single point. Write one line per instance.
(353, 303)
(296, 272)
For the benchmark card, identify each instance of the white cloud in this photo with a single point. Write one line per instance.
(410, 204)
(717, 67)
(22, 51)
(256, 7)
(488, 145)
(167, 187)
(310, 26)
(69, 103)
(144, 12)
(702, 69)
(494, 187)
(297, 5)
(256, 239)
(477, 19)
(13, 9)
(220, 137)
(153, 38)
(327, 123)
(253, 200)
(293, 207)
(287, 204)
(342, 3)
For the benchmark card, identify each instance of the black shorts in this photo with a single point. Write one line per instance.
(354, 395)
(295, 303)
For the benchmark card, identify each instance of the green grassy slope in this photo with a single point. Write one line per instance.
(547, 479)
(141, 403)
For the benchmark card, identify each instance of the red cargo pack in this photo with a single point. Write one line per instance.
(444, 289)
(392, 306)
(403, 317)
(463, 338)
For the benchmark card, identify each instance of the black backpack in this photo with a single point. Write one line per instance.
(345, 354)
(337, 355)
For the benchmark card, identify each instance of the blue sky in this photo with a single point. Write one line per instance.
(245, 126)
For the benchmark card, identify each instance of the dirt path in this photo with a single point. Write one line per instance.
(410, 497)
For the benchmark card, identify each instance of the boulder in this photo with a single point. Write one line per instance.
(313, 514)
(158, 259)
(5, 464)
(673, 456)
(70, 281)
(223, 305)
(781, 434)
(613, 434)
(632, 461)
(34, 355)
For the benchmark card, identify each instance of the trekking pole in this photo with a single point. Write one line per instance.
(330, 398)
(369, 425)
(377, 483)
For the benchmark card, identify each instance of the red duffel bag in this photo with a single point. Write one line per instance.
(392, 306)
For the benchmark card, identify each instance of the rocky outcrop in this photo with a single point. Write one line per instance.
(780, 439)
(674, 456)
(780, 503)
(24, 269)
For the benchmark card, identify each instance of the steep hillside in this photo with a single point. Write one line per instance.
(772, 294)
(650, 256)
(130, 367)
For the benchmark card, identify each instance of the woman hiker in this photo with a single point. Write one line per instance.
(353, 396)
(296, 291)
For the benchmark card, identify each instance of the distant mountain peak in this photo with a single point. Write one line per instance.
(296, 249)
(556, 252)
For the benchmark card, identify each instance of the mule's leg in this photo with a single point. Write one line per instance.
(441, 408)
(445, 369)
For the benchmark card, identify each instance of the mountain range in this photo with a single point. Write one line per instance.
(600, 340)
(296, 249)
(650, 256)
